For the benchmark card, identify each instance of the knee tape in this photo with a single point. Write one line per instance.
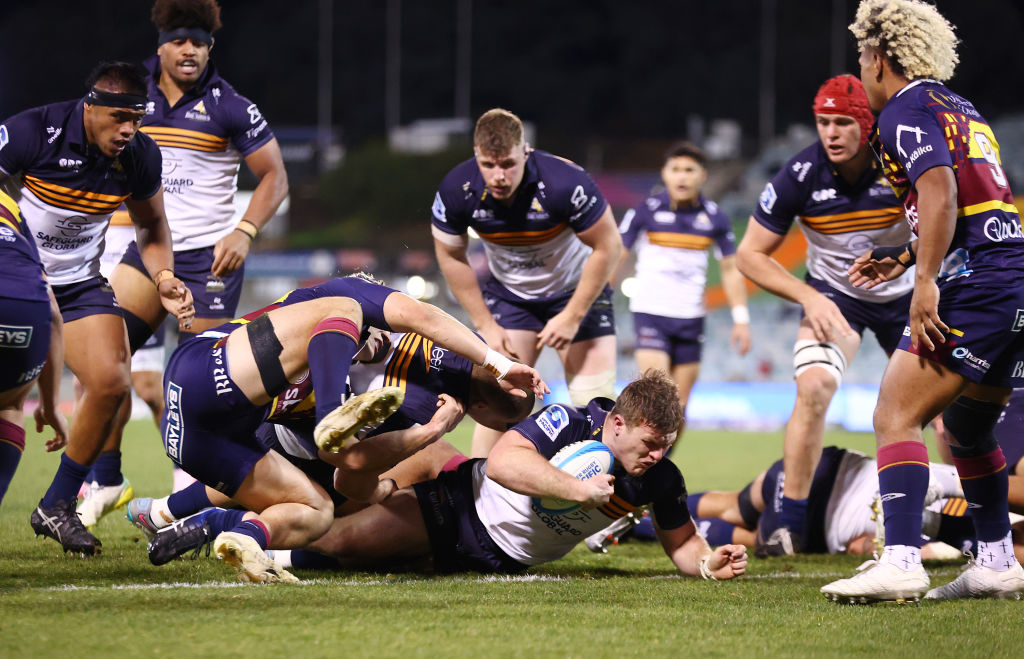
(138, 331)
(826, 355)
(584, 388)
(971, 423)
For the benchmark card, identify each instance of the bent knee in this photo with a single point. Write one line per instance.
(815, 388)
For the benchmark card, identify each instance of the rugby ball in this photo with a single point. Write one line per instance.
(582, 460)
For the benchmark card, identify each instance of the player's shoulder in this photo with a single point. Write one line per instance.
(556, 171)
(49, 119)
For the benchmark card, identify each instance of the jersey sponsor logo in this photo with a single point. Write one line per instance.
(174, 425)
(972, 360)
(221, 381)
(31, 374)
(824, 195)
(914, 130)
(553, 420)
(436, 356)
(955, 265)
(892, 496)
(768, 198)
(54, 133)
(664, 217)
(150, 107)
(1018, 372)
(7, 235)
(3, 136)
(439, 210)
(578, 198)
(702, 222)
(70, 163)
(15, 336)
(1018, 322)
(998, 230)
(801, 169)
(198, 112)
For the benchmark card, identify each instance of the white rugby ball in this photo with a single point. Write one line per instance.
(582, 460)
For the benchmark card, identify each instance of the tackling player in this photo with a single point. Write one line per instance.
(77, 161)
(836, 191)
(963, 346)
(551, 244)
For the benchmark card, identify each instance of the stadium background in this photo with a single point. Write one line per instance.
(373, 101)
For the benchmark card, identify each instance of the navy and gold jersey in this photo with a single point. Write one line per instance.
(531, 245)
(925, 125)
(21, 272)
(840, 221)
(69, 188)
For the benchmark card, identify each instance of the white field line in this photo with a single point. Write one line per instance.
(523, 578)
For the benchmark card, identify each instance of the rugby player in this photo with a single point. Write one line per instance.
(672, 232)
(31, 342)
(551, 244)
(835, 189)
(204, 129)
(220, 386)
(962, 349)
(77, 161)
(480, 517)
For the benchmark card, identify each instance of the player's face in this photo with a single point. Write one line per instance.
(870, 66)
(840, 135)
(683, 178)
(111, 129)
(502, 172)
(637, 448)
(184, 60)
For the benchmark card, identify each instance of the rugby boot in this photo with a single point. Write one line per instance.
(367, 410)
(782, 542)
(139, 513)
(189, 534)
(63, 524)
(879, 581)
(611, 534)
(102, 499)
(981, 582)
(254, 565)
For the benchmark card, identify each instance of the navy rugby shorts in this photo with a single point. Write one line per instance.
(24, 340)
(214, 298)
(680, 338)
(513, 312)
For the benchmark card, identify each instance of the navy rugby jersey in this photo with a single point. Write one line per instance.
(839, 220)
(70, 189)
(203, 139)
(925, 125)
(557, 426)
(672, 244)
(21, 272)
(531, 247)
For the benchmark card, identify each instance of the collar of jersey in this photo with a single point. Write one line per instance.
(198, 90)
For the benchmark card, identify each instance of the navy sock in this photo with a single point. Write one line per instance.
(222, 519)
(189, 501)
(332, 345)
(693, 502)
(311, 560)
(107, 468)
(793, 515)
(12, 444)
(903, 471)
(256, 530)
(986, 483)
(66, 482)
(716, 531)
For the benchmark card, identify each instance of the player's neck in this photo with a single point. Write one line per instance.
(173, 91)
(853, 169)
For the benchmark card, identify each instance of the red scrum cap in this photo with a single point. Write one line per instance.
(844, 94)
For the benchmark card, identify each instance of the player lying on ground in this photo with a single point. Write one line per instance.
(220, 386)
(484, 516)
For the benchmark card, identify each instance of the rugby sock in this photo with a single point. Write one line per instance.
(998, 554)
(957, 531)
(332, 345)
(307, 560)
(160, 515)
(12, 445)
(256, 530)
(794, 515)
(107, 468)
(985, 480)
(902, 482)
(188, 501)
(693, 502)
(69, 477)
(716, 531)
(222, 519)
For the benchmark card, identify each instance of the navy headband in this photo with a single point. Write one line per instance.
(194, 33)
(116, 99)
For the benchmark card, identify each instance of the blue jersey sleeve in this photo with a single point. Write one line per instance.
(584, 202)
(725, 239)
(631, 225)
(554, 427)
(247, 129)
(20, 141)
(919, 141)
(782, 198)
(145, 167)
(447, 212)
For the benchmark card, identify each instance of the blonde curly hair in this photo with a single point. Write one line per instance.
(917, 40)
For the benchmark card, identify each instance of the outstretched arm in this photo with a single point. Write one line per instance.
(690, 553)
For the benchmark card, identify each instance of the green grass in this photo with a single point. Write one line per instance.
(628, 602)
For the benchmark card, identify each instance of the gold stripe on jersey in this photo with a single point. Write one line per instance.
(878, 218)
(185, 139)
(93, 203)
(523, 237)
(986, 206)
(955, 507)
(428, 349)
(617, 507)
(9, 213)
(397, 373)
(121, 219)
(680, 240)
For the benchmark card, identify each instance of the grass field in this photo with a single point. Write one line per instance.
(628, 602)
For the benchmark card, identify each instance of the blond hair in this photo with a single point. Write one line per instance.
(653, 400)
(497, 132)
(916, 39)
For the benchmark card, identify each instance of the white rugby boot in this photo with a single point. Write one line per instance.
(243, 552)
(365, 410)
(611, 534)
(978, 581)
(879, 581)
(102, 499)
